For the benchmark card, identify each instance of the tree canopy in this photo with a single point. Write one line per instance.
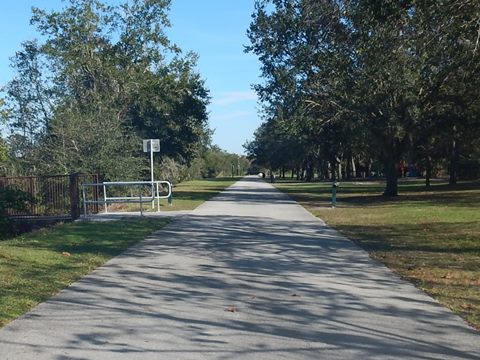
(349, 84)
(102, 78)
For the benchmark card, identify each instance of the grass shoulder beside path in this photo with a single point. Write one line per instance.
(187, 195)
(190, 194)
(36, 266)
(430, 237)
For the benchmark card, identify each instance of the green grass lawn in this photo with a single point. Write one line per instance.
(190, 194)
(186, 195)
(430, 237)
(35, 266)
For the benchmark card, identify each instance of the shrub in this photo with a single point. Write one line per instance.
(11, 199)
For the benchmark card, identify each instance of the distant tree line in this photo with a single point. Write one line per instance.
(211, 162)
(354, 84)
(102, 79)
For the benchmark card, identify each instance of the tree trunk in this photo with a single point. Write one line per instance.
(324, 170)
(348, 167)
(391, 176)
(428, 171)
(333, 171)
(367, 168)
(308, 170)
(453, 168)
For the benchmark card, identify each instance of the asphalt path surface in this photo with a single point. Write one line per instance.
(248, 275)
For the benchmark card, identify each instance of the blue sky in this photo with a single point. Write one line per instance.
(214, 29)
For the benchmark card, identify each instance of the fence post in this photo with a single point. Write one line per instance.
(32, 189)
(74, 196)
(95, 190)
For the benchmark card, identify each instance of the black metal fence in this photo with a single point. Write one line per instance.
(56, 196)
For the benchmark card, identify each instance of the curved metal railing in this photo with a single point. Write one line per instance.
(140, 198)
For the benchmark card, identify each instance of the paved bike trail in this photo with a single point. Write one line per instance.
(248, 275)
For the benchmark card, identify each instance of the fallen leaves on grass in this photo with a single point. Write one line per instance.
(467, 306)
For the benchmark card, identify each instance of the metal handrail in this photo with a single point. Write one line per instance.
(127, 199)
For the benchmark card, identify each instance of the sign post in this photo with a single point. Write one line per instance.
(151, 146)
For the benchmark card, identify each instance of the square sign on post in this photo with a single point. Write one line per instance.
(152, 145)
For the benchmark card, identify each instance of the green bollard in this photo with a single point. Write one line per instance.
(170, 200)
(334, 194)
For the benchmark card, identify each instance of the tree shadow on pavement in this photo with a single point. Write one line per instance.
(247, 288)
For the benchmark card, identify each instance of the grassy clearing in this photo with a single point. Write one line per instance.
(430, 237)
(186, 195)
(35, 266)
